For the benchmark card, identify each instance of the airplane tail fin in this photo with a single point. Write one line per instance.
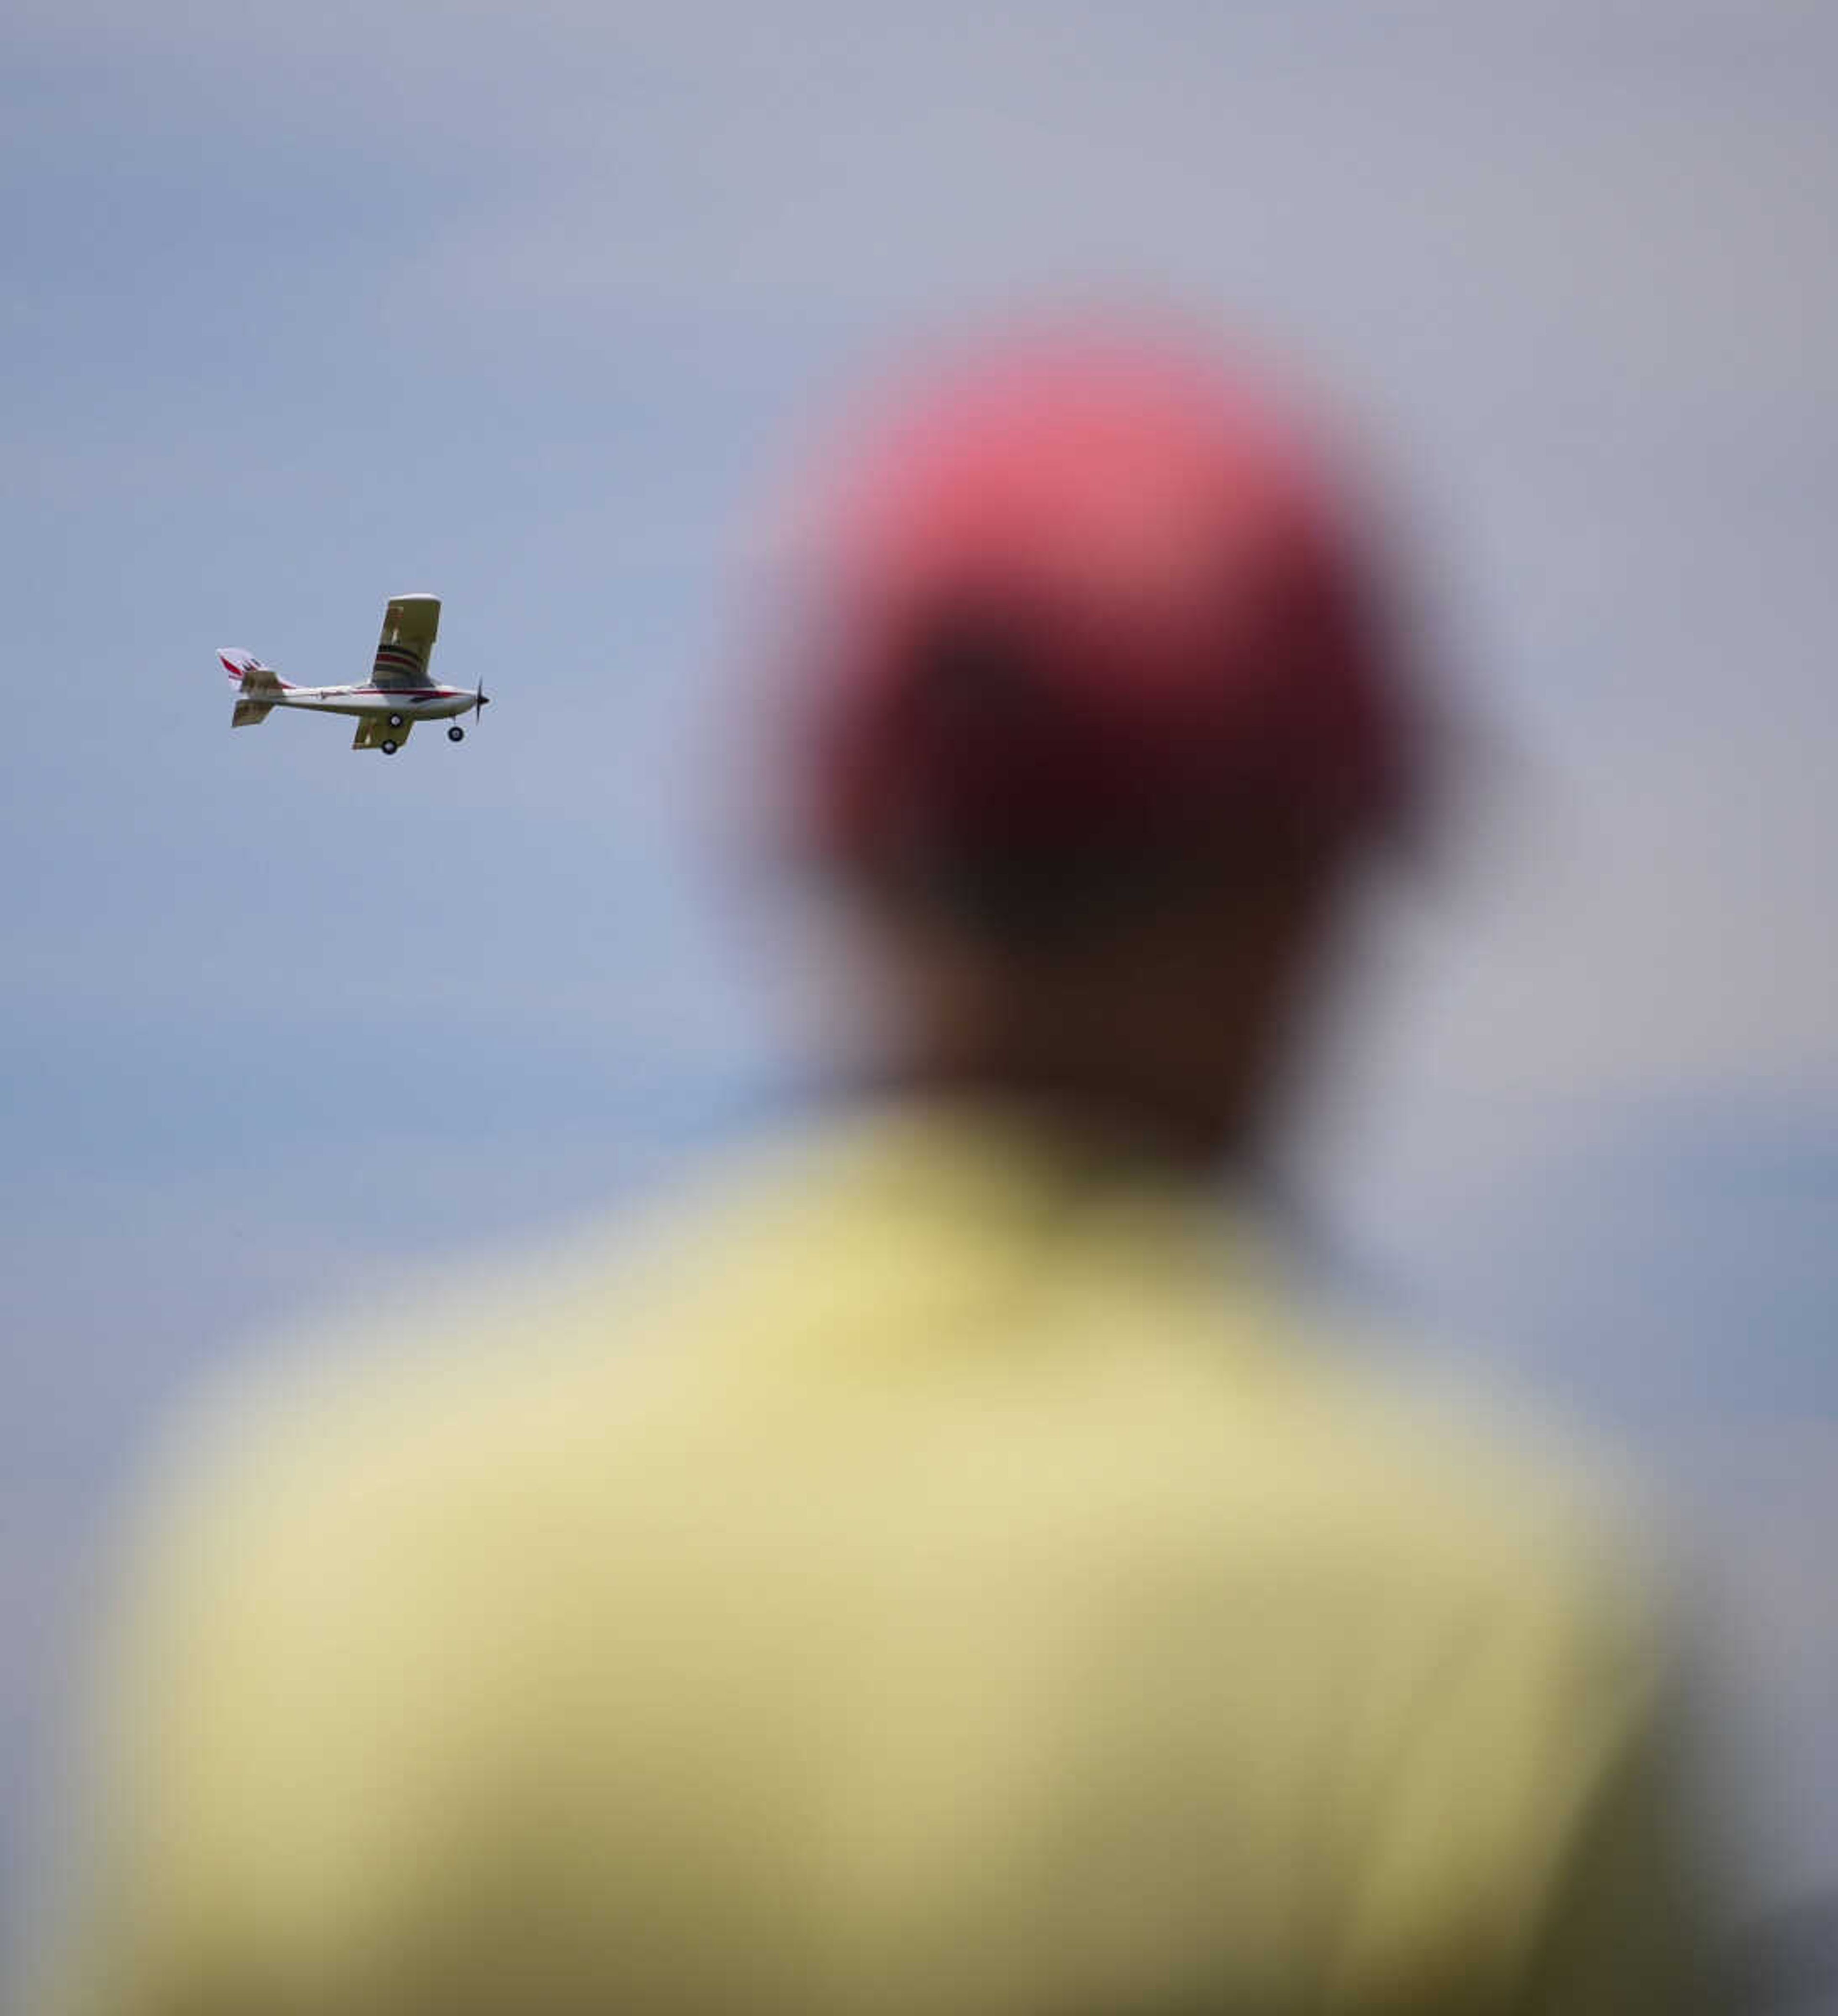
(261, 686)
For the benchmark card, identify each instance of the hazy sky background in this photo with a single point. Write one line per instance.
(524, 306)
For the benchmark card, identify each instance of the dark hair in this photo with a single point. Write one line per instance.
(982, 721)
(975, 697)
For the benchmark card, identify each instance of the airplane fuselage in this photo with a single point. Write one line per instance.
(412, 703)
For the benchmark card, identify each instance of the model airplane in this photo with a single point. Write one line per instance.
(399, 693)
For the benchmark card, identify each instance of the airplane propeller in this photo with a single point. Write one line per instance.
(480, 700)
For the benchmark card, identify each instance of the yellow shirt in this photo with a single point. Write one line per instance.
(936, 1573)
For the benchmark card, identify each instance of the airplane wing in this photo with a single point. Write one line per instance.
(374, 729)
(410, 624)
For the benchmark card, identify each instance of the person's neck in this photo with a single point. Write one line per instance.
(1114, 1120)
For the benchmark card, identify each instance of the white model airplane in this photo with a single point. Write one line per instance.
(399, 693)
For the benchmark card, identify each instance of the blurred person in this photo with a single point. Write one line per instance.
(939, 1568)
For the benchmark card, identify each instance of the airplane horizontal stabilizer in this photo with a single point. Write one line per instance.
(250, 673)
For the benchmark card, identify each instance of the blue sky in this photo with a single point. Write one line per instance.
(525, 307)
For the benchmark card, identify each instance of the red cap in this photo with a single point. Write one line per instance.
(1085, 597)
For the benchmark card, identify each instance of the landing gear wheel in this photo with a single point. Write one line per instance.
(389, 748)
(395, 721)
(455, 734)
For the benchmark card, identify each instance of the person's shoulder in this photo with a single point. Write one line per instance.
(348, 1416)
(1527, 1704)
(431, 1385)
(1484, 1498)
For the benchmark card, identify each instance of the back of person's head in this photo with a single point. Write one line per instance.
(1086, 609)
(1098, 690)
